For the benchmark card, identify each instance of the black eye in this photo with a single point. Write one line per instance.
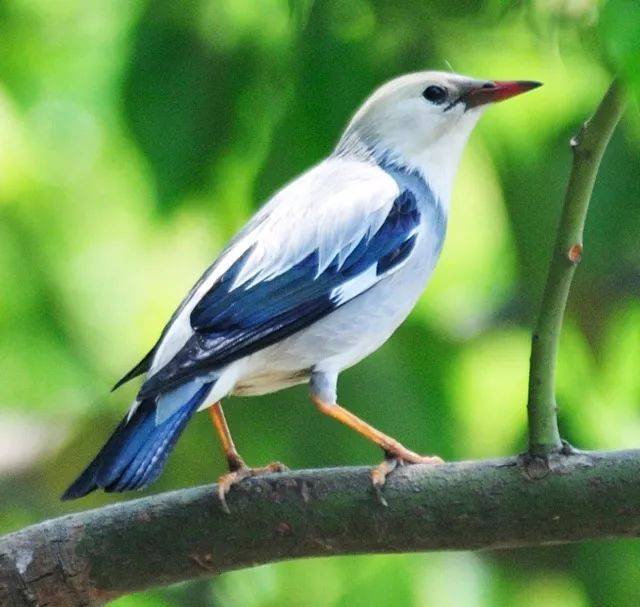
(436, 94)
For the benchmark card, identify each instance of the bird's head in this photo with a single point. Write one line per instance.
(423, 120)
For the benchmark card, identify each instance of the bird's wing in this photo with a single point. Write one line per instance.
(322, 241)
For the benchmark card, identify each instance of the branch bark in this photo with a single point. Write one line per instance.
(91, 557)
(588, 148)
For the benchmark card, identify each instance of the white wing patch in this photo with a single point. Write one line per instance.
(328, 209)
(352, 288)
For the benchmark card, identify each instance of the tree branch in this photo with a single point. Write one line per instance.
(90, 557)
(588, 148)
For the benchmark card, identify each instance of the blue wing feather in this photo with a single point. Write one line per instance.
(231, 321)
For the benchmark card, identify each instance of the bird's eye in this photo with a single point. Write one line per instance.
(436, 94)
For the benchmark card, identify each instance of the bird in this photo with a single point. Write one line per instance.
(316, 281)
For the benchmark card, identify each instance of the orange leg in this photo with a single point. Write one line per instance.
(226, 440)
(238, 470)
(396, 452)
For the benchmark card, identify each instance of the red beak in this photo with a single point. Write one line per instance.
(491, 92)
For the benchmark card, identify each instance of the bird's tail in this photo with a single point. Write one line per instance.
(137, 451)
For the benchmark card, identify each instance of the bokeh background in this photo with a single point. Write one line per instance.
(137, 136)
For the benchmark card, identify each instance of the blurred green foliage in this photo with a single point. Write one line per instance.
(137, 136)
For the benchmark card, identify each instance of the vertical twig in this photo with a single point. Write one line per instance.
(588, 147)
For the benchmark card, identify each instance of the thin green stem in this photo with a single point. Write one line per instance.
(588, 148)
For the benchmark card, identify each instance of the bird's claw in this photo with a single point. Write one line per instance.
(379, 476)
(227, 481)
(391, 461)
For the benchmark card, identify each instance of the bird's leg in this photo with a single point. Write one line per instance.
(219, 421)
(238, 470)
(395, 453)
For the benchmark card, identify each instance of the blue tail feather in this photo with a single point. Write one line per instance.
(137, 451)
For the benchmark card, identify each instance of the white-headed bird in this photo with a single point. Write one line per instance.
(317, 280)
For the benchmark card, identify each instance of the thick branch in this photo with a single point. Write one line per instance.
(588, 147)
(90, 557)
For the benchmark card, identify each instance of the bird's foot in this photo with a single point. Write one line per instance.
(393, 459)
(226, 481)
